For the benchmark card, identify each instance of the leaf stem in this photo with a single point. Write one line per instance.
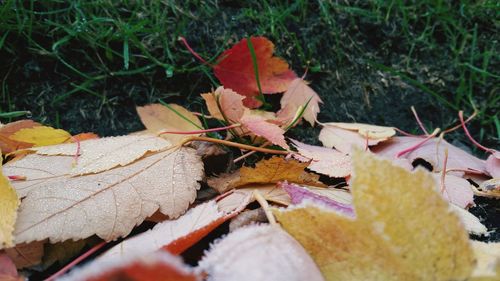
(234, 144)
(420, 124)
(195, 54)
(409, 149)
(462, 122)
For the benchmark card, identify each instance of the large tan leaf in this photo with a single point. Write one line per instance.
(259, 252)
(110, 203)
(102, 154)
(158, 118)
(403, 229)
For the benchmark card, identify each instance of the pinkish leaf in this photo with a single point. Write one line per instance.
(493, 165)
(432, 151)
(299, 94)
(230, 102)
(324, 160)
(260, 127)
(299, 194)
(457, 190)
(343, 139)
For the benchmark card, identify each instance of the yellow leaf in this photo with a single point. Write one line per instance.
(267, 171)
(403, 229)
(8, 211)
(158, 118)
(41, 136)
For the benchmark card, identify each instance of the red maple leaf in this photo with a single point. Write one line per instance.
(235, 70)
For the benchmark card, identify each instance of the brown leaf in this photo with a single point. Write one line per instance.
(109, 204)
(26, 254)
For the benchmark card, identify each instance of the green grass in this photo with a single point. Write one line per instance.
(102, 57)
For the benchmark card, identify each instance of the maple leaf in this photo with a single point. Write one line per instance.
(41, 135)
(168, 234)
(268, 251)
(432, 151)
(403, 229)
(158, 118)
(155, 266)
(259, 126)
(9, 202)
(97, 155)
(343, 136)
(230, 103)
(8, 145)
(324, 160)
(235, 70)
(59, 206)
(297, 95)
(271, 170)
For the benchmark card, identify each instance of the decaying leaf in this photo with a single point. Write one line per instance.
(8, 145)
(41, 135)
(155, 266)
(403, 229)
(158, 118)
(343, 139)
(26, 254)
(235, 70)
(108, 204)
(432, 151)
(167, 232)
(259, 252)
(271, 170)
(299, 94)
(230, 104)
(261, 127)
(9, 202)
(102, 154)
(326, 161)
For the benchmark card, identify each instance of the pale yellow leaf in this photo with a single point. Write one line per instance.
(403, 229)
(41, 135)
(259, 252)
(102, 154)
(9, 202)
(108, 204)
(158, 118)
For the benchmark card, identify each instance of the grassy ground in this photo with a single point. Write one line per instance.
(85, 65)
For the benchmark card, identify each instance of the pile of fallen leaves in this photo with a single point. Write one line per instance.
(65, 198)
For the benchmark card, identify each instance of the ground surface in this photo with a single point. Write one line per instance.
(85, 65)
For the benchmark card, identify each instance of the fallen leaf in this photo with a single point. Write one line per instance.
(26, 254)
(248, 217)
(343, 139)
(487, 259)
(470, 222)
(41, 136)
(271, 170)
(432, 151)
(456, 190)
(8, 271)
(326, 161)
(83, 137)
(369, 131)
(9, 202)
(235, 69)
(230, 102)
(159, 118)
(155, 266)
(403, 229)
(168, 232)
(102, 154)
(108, 204)
(493, 166)
(260, 127)
(298, 95)
(259, 252)
(299, 194)
(8, 145)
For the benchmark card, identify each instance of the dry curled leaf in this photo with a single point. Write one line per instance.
(108, 204)
(155, 266)
(159, 118)
(259, 252)
(225, 104)
(99, 155)
(271, 170)
(403, 229)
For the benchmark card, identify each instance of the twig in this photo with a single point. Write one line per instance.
(200, 131)
(234, 144)
(250, 153)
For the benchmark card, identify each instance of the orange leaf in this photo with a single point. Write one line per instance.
(235, 69)
(8, 145)
(230, 103)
